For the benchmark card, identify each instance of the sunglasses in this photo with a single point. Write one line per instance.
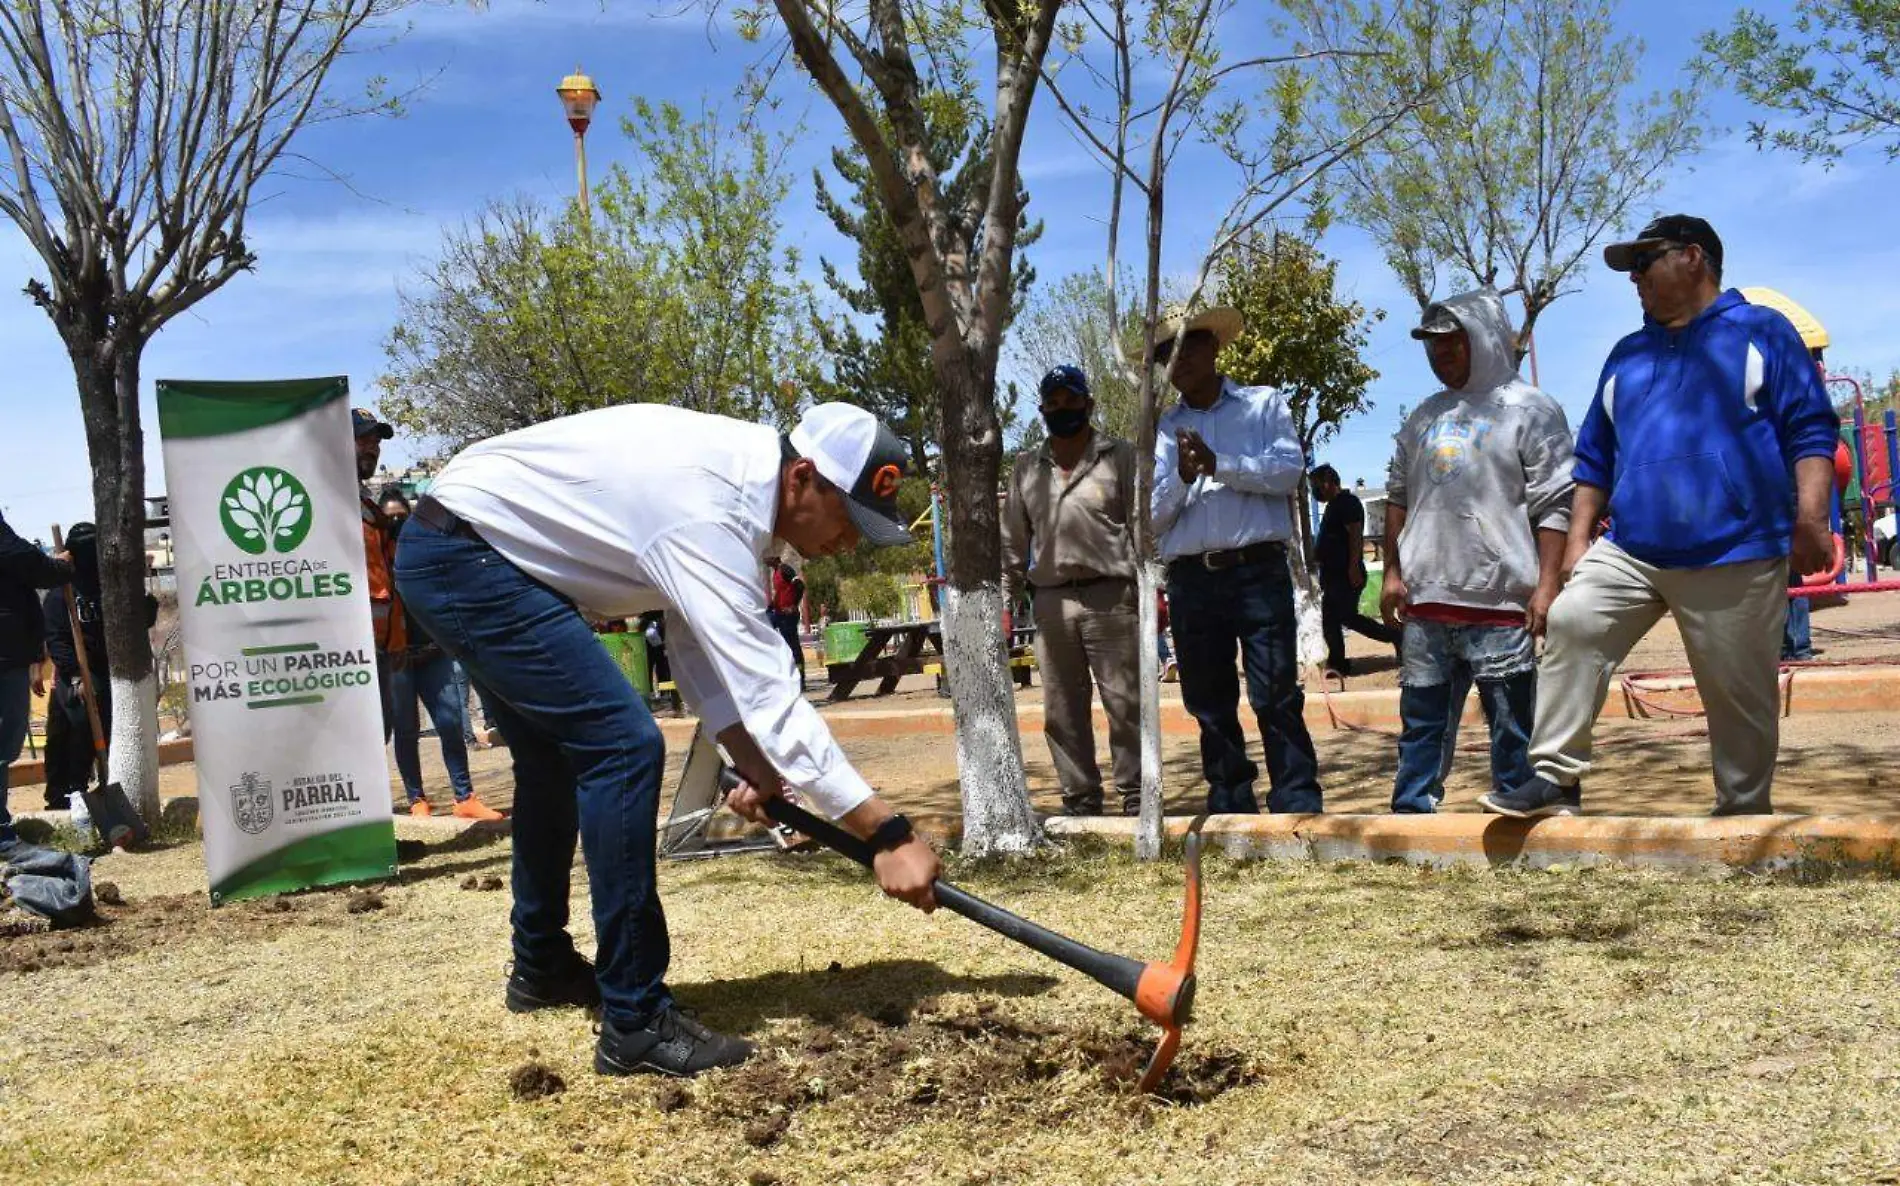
(1642, 261)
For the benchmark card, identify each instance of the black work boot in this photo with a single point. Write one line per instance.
(573, 986)
(670, 1043)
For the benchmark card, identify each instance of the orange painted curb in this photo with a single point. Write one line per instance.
(33, 770)
(1808, 690)
(1767, 843)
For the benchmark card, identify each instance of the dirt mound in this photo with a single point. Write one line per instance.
(129, 927)
(535, 1081)
(672, 1096)
(972, 1063)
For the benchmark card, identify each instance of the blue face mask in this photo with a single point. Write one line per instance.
(1065, 422)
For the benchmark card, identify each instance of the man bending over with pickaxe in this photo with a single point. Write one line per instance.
(621, 511)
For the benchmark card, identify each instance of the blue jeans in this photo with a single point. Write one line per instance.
(587, 759)
(1248, 608)
(16, 704)
(1441, 661)
(1797, 640)
(446, 698)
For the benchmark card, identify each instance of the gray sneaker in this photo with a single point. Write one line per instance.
(1536, 798)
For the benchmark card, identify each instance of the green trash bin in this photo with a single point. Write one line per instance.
(1369, 596)
(629, 650)
(843, 641)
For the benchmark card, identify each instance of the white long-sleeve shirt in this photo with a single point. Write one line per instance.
(1257, 464)
(643, 507)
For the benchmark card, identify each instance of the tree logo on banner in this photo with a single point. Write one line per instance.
(263, 508)
(251, 802)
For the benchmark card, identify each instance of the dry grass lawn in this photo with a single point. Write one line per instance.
(1355, 1025)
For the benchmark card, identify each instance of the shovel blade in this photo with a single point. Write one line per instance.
(113, 815)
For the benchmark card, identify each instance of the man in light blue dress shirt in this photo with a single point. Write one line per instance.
(1227, 460)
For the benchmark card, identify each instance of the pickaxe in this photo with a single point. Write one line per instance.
(1163, 992)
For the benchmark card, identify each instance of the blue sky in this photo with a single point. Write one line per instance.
(487, 125)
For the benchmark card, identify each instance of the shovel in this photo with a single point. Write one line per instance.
(112, 812)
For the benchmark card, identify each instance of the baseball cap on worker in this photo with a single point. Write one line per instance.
(855, 452)
(1436, 322)
(365, 422)
(1068, 378)
(1684, 229)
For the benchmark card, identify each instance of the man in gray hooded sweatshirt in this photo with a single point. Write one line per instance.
(1478, 498)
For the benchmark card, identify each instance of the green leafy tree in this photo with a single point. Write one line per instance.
(676, 291)
(707, 205)
(1832, 73)
(1522, 163)
(1301, 336)
(524, 317)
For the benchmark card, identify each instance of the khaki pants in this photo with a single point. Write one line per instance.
(1083, 631)
(1730, 617)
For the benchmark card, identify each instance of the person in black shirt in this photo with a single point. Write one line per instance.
(1340, 557)
(69, 739)
(23, 569)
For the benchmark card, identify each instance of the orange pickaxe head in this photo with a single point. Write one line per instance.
(1165, 992)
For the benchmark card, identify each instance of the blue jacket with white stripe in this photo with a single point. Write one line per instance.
(1695, 433)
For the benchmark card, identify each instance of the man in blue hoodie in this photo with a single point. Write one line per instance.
(1710, 442)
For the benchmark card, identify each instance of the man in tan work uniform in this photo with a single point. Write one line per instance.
(1066, 531)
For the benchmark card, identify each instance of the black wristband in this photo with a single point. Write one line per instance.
(890, 834)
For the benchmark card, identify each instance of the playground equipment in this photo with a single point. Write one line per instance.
(1856, 464)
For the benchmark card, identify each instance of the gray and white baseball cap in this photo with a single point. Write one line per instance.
(861, 457)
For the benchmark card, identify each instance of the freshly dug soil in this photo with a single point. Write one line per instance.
(128, 927)
(535, 1081)
(973, 1063)
(672, 1096)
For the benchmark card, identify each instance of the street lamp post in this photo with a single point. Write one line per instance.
(579, 97)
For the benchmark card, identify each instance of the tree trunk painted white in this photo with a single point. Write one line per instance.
(132, 760)
(1309, 633)
(107, 375)
(997, 818)
(1148, 827)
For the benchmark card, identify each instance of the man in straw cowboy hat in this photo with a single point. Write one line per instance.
(1227, 460)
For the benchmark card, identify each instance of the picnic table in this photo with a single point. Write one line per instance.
(911, 648)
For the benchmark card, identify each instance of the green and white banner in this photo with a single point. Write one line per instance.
(273, 598)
